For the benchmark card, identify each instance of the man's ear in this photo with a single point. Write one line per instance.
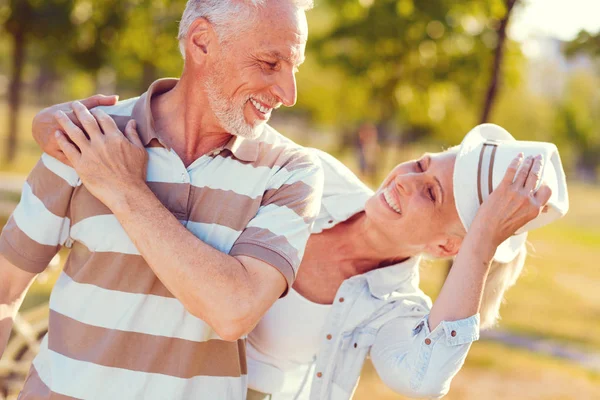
(446, 247)
(200, 40)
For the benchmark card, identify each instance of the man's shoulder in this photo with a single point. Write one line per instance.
(122, 108)
(286, 152)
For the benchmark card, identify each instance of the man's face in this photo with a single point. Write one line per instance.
(255, 73)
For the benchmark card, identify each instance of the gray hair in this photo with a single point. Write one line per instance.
(228, 17)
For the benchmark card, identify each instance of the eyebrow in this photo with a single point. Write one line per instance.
(436, 179)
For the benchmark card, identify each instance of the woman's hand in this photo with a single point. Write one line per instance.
(514, 202)
(44, 124)
(109, 163)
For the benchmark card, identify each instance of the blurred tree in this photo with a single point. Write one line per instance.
(577, 123)
(424, 64)
(147, 47)
(498, 58)
(579, 111)
(585, 42)
(29, 20)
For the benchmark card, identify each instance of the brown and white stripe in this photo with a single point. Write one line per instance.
(115, 330)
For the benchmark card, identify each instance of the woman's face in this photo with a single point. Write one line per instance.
(415, 204)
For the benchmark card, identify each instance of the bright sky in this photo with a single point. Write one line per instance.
(562, 19)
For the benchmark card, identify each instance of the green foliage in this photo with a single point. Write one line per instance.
(422, 65)
(585, 42)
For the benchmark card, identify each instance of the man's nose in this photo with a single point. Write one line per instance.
(285, 88)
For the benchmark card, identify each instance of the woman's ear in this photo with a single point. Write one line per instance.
(447, 247)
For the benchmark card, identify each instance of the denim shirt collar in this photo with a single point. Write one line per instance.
(384, 281)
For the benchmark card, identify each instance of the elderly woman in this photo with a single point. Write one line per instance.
(357, 290)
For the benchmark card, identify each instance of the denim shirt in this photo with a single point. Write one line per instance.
(382, 313)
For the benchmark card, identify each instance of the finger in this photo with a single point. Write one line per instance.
(132, 134)
(87, 120)
(69, 150)
(523, 172)
(108, 125)
(513, 167)
(100, 100)
(535, 173)
(542, 196)
(71, 130)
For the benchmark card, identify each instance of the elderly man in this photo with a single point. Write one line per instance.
(132, 316)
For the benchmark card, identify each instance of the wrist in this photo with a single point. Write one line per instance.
(483, 238)
(123, 201)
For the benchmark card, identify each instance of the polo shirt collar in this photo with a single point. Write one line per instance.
(142, 110)
(241, 148)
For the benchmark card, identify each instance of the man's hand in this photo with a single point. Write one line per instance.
(44, 124)
(108, 163)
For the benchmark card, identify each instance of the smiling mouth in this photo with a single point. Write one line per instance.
(260, 107)
(390, 199)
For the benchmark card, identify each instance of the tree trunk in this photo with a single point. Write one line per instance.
(14, 95)
(498, 57)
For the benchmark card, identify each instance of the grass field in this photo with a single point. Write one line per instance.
(557, 297)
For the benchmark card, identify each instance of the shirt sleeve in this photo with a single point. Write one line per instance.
(279, 232)
(39, 225)
(417, 362)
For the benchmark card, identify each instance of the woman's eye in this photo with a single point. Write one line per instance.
(431, 194)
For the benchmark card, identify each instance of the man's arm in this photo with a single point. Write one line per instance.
(230, 293)
(14, 283)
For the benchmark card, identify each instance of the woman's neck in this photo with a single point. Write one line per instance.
(359, 247)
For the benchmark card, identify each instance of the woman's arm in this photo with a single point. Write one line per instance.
(415, 362)
(44, 124)
(510, 206)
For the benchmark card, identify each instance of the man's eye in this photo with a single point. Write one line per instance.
(270, 65)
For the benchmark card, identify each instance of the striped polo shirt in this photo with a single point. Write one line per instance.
(115, 331)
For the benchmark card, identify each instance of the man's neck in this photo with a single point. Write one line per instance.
(183, 121)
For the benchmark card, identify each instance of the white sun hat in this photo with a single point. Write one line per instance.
(482, 161)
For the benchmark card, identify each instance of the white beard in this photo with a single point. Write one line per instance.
(230, 113)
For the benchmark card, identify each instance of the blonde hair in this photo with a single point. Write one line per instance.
(500, 278)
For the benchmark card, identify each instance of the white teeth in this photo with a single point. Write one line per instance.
(389, 198)
(260, 107)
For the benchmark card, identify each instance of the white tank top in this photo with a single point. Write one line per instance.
(286, 340)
